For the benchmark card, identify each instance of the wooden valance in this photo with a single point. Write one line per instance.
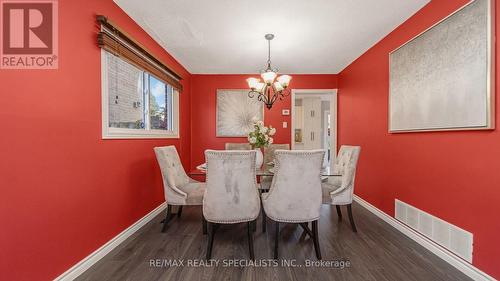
(114, 40)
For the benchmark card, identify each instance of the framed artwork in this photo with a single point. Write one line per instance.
(443, 79)
(236, 112)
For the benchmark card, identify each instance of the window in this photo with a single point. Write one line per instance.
(140, 94)
(136, 104)
(160, 104)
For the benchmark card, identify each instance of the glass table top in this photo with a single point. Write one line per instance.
(267, 170)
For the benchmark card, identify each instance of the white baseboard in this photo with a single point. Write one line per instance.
(460, 264)
(98, 254)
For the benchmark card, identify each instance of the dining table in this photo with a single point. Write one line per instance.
(266, 170)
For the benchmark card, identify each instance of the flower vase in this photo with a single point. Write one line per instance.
(259, 158)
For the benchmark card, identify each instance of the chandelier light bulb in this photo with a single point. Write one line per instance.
(260, 87)
(278, 87)
(252, 83)
(284, 80)
(268, 77)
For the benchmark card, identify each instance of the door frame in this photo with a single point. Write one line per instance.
(333, 100)
(325, 132)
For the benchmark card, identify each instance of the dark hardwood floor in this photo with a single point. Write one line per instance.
(376, 252)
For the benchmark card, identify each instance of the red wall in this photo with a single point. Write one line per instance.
(452, 175)
(203, 108)
(65, 191)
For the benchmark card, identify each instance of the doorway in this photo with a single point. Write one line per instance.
(314, 121)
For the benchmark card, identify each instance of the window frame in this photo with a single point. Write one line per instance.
(125, 133)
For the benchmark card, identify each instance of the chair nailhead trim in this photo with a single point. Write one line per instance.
(231, 221)
(292, 221)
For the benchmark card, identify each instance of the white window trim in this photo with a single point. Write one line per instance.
(124, 133)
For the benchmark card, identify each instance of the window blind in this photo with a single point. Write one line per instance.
(114, 40)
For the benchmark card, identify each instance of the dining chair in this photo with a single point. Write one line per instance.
(337, 190)
(238, 146)
(295, 194)
(269, 151)
(231, 196)
(179, 189)
(265, 181)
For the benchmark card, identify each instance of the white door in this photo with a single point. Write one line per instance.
(311, 111)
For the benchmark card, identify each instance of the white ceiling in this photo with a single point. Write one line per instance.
(227, 36)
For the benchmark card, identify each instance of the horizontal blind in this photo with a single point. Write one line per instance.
(115, 41)
(125, 94)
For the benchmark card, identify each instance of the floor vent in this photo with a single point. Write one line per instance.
(449, 236)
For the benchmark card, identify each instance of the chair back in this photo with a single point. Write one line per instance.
(295, 194)
(238, 146)
(348, 156)
(346, 164)
(172, 172)
(269, 151)
(231, 195)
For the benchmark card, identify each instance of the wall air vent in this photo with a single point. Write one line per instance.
(449, 236)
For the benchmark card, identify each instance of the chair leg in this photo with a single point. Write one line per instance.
(305, 226)
(262, 211)
(263, 220)
(276, 239)
(204, 224)
(250, 239)
(316, 239)
(351, 219)
(179, 212)
(339, 212)
(211, 232)
(167, 218)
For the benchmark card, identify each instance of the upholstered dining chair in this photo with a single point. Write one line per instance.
(180, 190)
(265, 181)
(269, 151)
(231, 196)
(339, 191)
(238, 146)
(295, 194)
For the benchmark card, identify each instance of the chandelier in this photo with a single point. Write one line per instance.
(269, 90)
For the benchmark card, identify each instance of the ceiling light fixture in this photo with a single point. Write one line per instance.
(269, 90)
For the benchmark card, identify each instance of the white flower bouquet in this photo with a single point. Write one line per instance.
(261, 136)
